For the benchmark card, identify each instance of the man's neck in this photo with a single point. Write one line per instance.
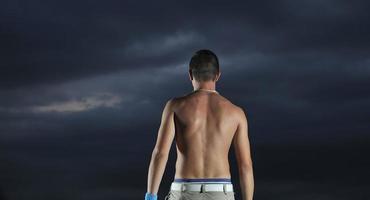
(205, 85)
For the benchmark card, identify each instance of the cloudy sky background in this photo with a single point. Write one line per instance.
(83, 85)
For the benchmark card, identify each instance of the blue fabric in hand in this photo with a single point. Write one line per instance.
(150, 196)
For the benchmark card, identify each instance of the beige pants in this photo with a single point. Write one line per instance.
(194, 195)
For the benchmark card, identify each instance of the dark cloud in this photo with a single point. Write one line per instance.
(56, 41)
(83, 84)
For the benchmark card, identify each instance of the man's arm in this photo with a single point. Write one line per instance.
(162, 148)
(243, 157)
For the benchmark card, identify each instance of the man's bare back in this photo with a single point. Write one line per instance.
(205, 123)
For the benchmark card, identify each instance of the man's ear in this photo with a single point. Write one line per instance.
(218, 76)
(190, 75)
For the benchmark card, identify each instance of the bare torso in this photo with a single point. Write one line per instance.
(205, 124)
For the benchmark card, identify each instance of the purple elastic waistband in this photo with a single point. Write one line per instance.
(202, 180)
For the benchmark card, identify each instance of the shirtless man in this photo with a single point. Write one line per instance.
(204, 125)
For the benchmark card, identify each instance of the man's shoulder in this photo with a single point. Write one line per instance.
(230, 104)
(239, 111)
(172, 102)
(177, 99)
(232, 109)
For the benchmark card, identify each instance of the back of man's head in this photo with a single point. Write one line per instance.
(204, 65)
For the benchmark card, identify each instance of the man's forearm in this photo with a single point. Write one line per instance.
(246, 183)
(155, 173)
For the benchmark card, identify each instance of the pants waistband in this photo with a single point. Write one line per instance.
(202, 180)
(202, 186)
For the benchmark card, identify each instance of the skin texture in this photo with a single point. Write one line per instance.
(204, 126)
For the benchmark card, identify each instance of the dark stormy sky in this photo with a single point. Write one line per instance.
(83, 85)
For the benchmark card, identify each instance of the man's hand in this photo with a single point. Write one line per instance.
(166, 134)
(150, 196)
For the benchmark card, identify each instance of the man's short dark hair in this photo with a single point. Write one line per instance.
(204, 65)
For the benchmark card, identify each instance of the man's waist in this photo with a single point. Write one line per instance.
(202, 180)
(202, 184)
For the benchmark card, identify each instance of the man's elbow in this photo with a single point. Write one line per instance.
(246, 168)
(157, 153)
